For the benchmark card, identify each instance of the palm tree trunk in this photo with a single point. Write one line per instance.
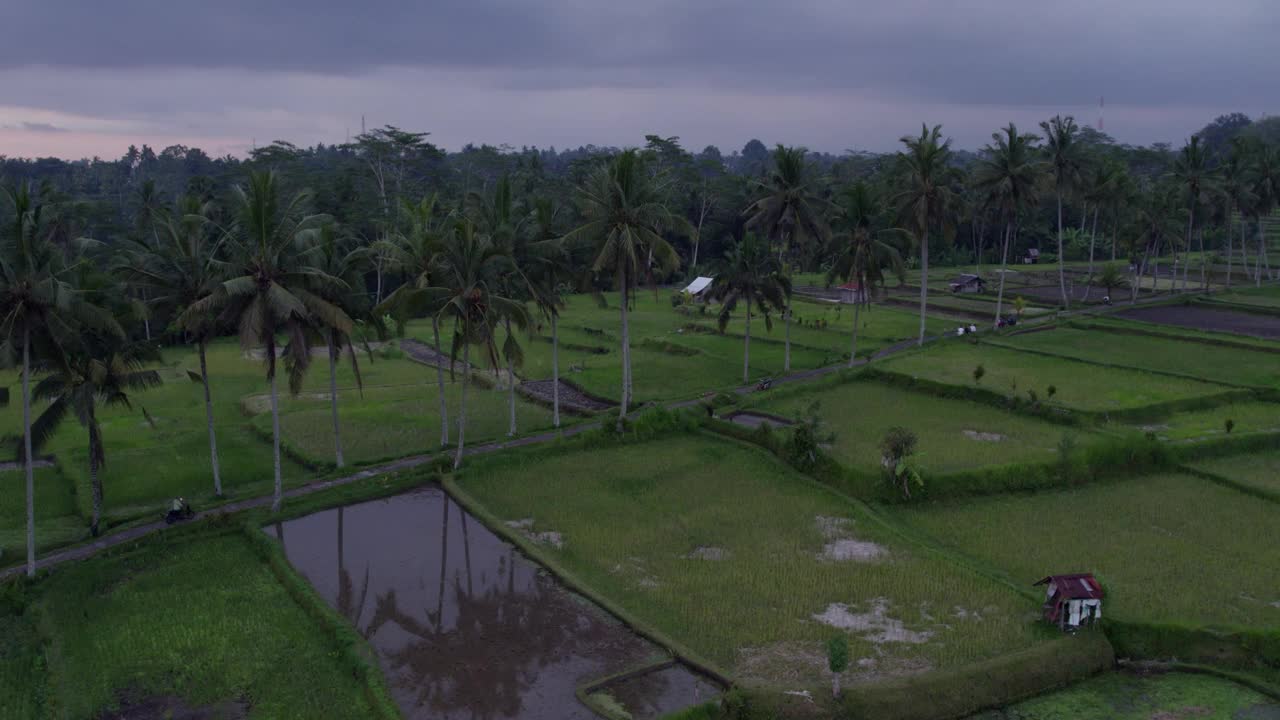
(511, 391)
(1093, 239)
(462, 410)
(626, 358)
(444, 404)
(1257, 261)
(1062, 271)
(208, 418)
(27, 459)
(1004, 269)
(555, 372)
(1204, 265)
(377, 294)
(786, 353)
(835, 685)
(1230, 245)
(95, 483)
(924, 281)
(333, 403)
(1191, 224)
(853, 344)
(278, 494)
(746, 348)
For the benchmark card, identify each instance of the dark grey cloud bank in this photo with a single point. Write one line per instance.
(1158, 62)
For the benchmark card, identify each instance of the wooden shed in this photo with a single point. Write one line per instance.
(1072, 601)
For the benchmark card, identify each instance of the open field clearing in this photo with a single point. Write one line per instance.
(1260, 470)
(202, 625)
(1267, 297)
(1079, 385)
(1167, 548)
(1229, 365)
(395, 421)
(1131, 326)
(1203, 317)
(57, 520)
(1247, 417)
(757, 583)
(954, 434)
(1126, 696)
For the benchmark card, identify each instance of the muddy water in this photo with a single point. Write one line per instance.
(655, 694)
(464, 625)
(755, 420)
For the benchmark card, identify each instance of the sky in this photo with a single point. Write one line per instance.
(80, 78)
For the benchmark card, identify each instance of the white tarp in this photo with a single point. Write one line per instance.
(698, 285)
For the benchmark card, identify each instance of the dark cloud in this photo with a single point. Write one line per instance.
(39, 127)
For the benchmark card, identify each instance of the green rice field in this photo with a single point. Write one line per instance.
(1260, 470)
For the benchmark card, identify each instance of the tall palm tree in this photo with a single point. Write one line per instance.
(1099, 189)
(272, 289)
(790, 212)
(551, 269)
(101, 372)
(624, 218)
(332, 255)
(1235, 193)
(751, 275)
(1155, 228)
(179, 264)
(1191, 171)
(1066, 163)
(926, 200)
(859, 255)
(41, 316)
(1266, 193)
(415, 253)
(1009, 175)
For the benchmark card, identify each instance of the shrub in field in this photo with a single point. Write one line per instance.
(1051, 391)
(978, 372)
(896, 449)
(1229, 425)
(803, 448)
(837, 660)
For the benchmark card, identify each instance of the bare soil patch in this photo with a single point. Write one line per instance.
(755, 420)
(984, 436)
(542, 537)
(572, 397)
(427, 355)
(841, 546)
(874, 625)
(1203, 318)
(707, 552)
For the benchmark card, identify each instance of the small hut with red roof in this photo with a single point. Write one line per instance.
(1072, 601)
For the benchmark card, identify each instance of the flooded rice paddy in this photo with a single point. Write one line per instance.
(463, 624)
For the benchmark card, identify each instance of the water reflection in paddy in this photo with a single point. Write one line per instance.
(465, 626)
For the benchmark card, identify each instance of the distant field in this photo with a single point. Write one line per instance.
(1208, 362)
(954, 434)
(204, 622)
(720, 546)
(1079, 385)
(1249, 417)
(1143, 537)
(1124, 696)
(1174, 332)
(1267, 297)
(1261, 470)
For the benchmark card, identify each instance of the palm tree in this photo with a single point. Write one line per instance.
(926, 199)
(272, 290)
(1235, 193)
(39, 311)
(1099, 189)
(551, 269)
(1111, 278)
(1066, 163)
(1265, 177)
(624, 219)
(415, 253)
(1154, 224)
(179, 264)
(860, 257)
(1009, 174)
(790, 213)
(751, 275)
(1191, 171)
(332, 256)
(100, 373)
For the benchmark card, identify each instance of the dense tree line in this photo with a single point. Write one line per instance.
(305, 252)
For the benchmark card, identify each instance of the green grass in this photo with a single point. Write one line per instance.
(1264, 297)
(1168, 548)
(1261, 470)
(1250, 417)
(1080, 385)
(859, 413)
(395, 421)
(1124, 696)
(631, 514)
(1175, 332)
(57, 522)
(1208, 362)
(203, 620)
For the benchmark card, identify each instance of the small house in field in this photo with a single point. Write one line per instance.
(852, 293)
(1032, 257)
(1072, 601)
(698, 288)
(968, 284)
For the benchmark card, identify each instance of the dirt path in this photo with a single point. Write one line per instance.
(427, 355)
